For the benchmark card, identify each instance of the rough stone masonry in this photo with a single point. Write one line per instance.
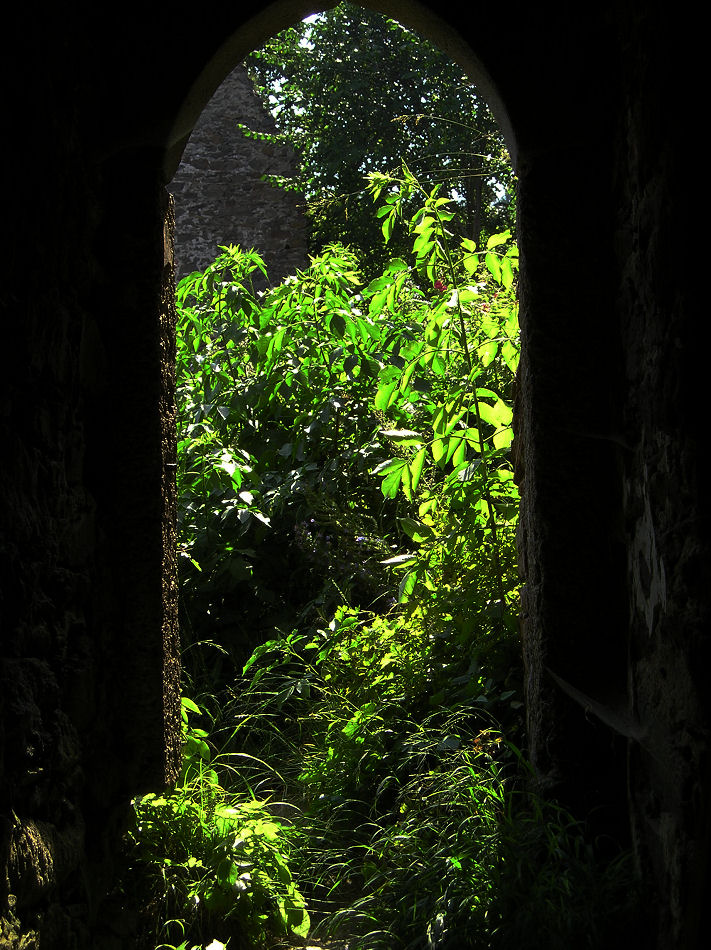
(220, 193)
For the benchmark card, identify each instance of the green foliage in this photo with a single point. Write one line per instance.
(215, 861)
(418, 828)
(356, 93)
(347, 512)
(291, 401)
(277, 437)
(449, 401)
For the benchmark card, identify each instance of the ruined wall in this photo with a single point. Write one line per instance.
(571, 390)
(220, 195)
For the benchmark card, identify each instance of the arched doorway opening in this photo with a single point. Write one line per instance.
(460, 226)
(353, 725)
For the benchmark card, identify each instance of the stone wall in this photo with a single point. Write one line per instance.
(89, 663)
(220, 195)
(665, 493)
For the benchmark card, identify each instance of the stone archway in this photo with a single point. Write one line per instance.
(552, 145)
(614, 529)
(569, 471)
(590, 544)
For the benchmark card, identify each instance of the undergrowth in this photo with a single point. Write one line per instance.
(353, 702)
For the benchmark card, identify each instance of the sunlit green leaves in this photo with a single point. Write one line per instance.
(217, 854)
(390, 402)
(416, 466)
(463, 427)
(498, 415)
(389, 382)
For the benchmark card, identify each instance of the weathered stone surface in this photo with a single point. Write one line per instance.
(220, 193)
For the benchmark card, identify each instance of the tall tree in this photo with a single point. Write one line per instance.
(354, 92)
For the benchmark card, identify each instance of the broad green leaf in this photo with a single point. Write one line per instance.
(498, 415)
(390, 484)
(511, 355)
(439, 365)
(470, 262)
(460, 453)
(400, 560)
(337, 325)
(416, 467)
(472, 436)
(408, 374)
(406, 586)
(493, 266)
(425, 224)
(406, 480)
(196, 747)
(453, 421)
(503, 438)
(496, 240)
(467, 294)
(388, 466)
(368, 329)
(487, 353)
(297, 919)
(506, 272)
(423, 246)
(439, 448)
(188, 704)
(387, 227)
(385, 395)
(415, 530)
(397, 265)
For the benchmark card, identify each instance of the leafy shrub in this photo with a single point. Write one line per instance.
(215, 861)
(347, 514)
(292, 400)
(277, 437)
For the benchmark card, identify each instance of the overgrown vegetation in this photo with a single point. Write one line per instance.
(353, 93)
(352, 714)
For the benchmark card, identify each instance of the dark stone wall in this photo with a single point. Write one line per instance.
(89, 692)
(665, 493)
(601, 104)
(614, 531)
